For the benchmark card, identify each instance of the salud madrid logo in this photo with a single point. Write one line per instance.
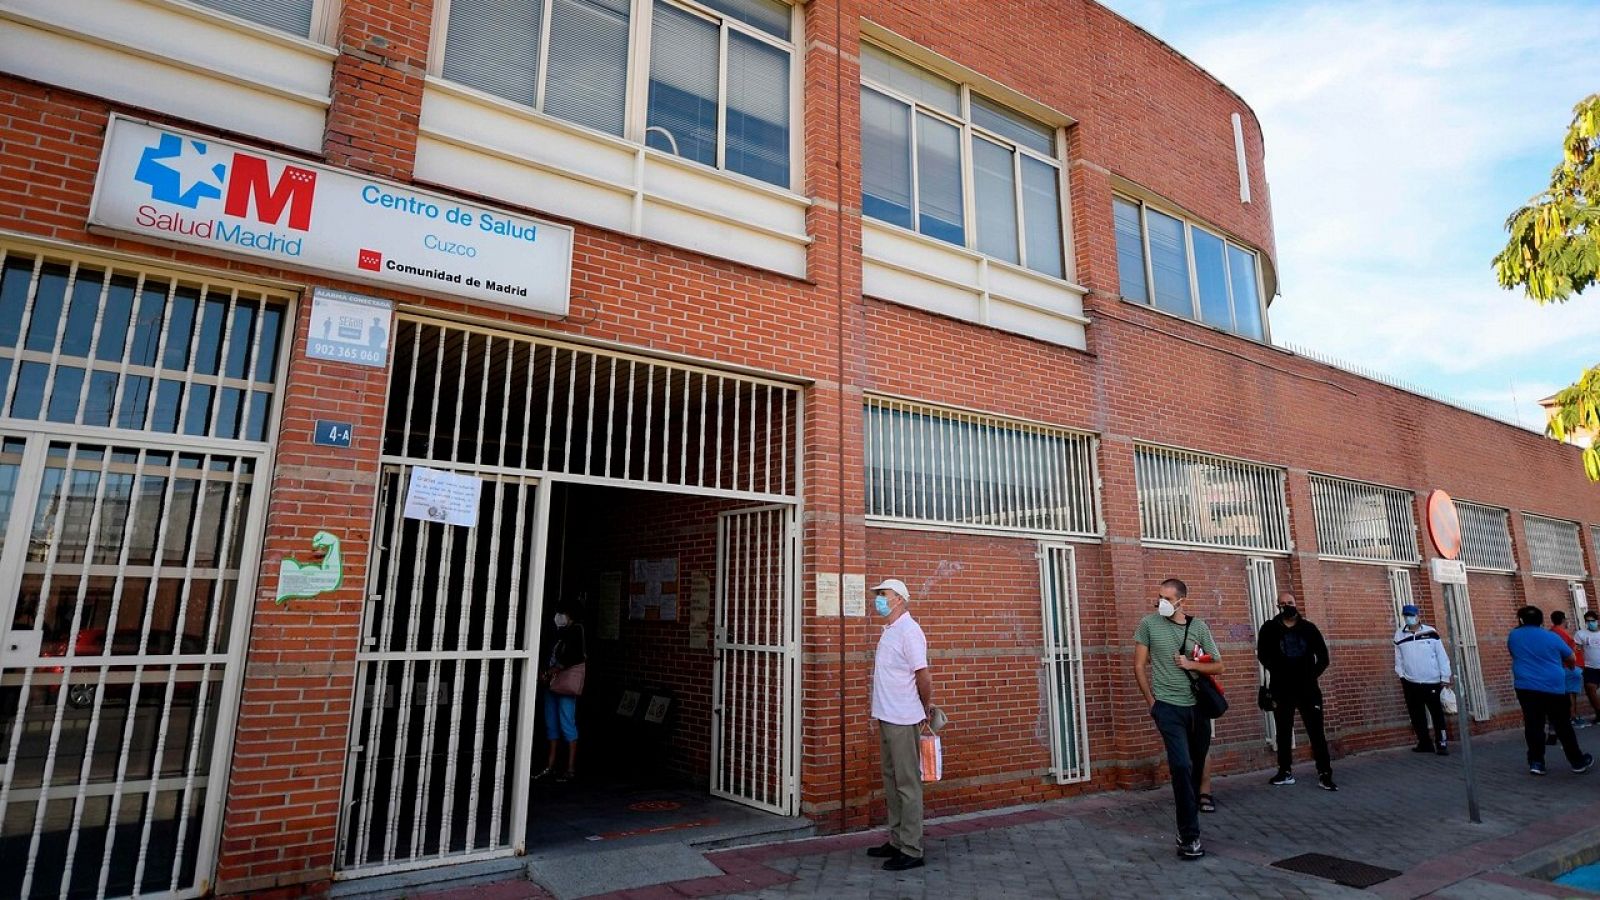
(188, 174)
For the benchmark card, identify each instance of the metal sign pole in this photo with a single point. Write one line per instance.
(1463, 713)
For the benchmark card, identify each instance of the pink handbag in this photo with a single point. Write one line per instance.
(569, 681)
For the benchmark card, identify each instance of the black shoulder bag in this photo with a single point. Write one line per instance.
(1209, 700)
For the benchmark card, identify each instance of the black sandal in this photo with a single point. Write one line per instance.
(1207, 803)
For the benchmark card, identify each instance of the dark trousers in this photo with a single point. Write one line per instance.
(1187, 735)
(1306, 700)
(1539, 707)
(1422, 701)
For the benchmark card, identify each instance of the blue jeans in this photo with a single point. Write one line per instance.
(560, 717)
(1187, 735)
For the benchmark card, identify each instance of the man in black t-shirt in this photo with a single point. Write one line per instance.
(1295, 656)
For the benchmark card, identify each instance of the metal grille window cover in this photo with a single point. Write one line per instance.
(90, 342)
(1357, 520)
(475, 397)
(1485, 537)
(1554, 546)
(940, 466)
(1063, 658)
(129, 561)
(1195, 498)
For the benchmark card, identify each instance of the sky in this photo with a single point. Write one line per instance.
(1400, 134)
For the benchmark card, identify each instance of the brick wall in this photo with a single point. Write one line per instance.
(1146, 118)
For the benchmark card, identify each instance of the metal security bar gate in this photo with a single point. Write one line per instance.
(1063, 664)
(135, 412)
(442, 729)
(755, 747)
(439, 758)
(1261, 577)
(1469, 681)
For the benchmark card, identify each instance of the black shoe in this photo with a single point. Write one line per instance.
(1583, 764)
(1191, 849)
(1442, 750)
(1282, 778)
(884, 850)
(901, 862)
(1422, 748)
(1325, 781)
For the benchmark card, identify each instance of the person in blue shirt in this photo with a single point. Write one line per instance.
(1539, 664)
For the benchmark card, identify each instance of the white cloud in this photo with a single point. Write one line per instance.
(1399, 135)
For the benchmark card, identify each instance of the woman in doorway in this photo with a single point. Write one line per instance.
(563, 680)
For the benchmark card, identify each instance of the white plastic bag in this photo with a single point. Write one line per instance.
(931, 757)
(1447, 699)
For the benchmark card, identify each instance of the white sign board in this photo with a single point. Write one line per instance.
(349, 328)
(174, 186)
(1448, 571)
(855, 594)
(436, 496)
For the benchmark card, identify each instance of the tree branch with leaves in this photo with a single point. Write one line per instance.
(1554, 254)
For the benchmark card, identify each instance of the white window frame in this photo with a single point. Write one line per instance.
(636, 98)
(1194, 286)
(1536, 566)
(1160, 530)
(969, 130)
(324, 20)
(1329, 489)
(1043, 488)
(1466, 534)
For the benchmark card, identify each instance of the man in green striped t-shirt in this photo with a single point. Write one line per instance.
(1163, 656)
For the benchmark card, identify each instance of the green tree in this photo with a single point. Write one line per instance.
(1554, 254)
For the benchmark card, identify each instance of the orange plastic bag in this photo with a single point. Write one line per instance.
(931, 755)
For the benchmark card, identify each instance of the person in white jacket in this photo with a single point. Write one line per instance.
(1423, 664)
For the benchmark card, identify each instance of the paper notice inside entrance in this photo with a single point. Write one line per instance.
(827, 593)
(609, 605)
(699, 611)
(855, 595)
(447, 497)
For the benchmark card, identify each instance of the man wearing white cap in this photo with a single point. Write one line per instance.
(902, 691)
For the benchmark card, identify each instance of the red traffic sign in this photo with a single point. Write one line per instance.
(1444, 526)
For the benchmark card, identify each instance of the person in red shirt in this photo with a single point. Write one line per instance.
(1558, 624)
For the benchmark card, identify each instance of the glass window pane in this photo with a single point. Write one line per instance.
(15, 279)
(147, 324)
(885, 159)
(64, 393)
(939, 211)
(208, 354)
(114, 321)
(1041, 216)
(682, 114)
(771, 16)
(27, 398)
(1130, 251)
(1246, 295)
(1211, 277)
(293, 16)
(1169, 262)
(242, 338)
(135, 402)
(995, 193)
(267, 356)
(758, 110)
(922, 86)
(102, 394)
(1036, 135)
(81, 313)
(180, 328)
(493, 45)
(47, 304)
(587, 79)
(169, 399)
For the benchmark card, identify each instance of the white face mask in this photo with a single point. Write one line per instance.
(561, 620)
(1411, 620)
(1165, 608)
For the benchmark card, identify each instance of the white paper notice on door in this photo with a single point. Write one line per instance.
(447, 497)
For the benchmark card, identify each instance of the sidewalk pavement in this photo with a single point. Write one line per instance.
(1395, 809)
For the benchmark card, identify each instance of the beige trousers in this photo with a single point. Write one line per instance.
(902, 785)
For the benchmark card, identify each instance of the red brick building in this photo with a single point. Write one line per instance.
(709, 311)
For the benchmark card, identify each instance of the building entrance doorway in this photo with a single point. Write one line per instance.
(656, 499)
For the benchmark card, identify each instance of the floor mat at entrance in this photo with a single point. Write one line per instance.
(1347, 872)
(603, 871)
